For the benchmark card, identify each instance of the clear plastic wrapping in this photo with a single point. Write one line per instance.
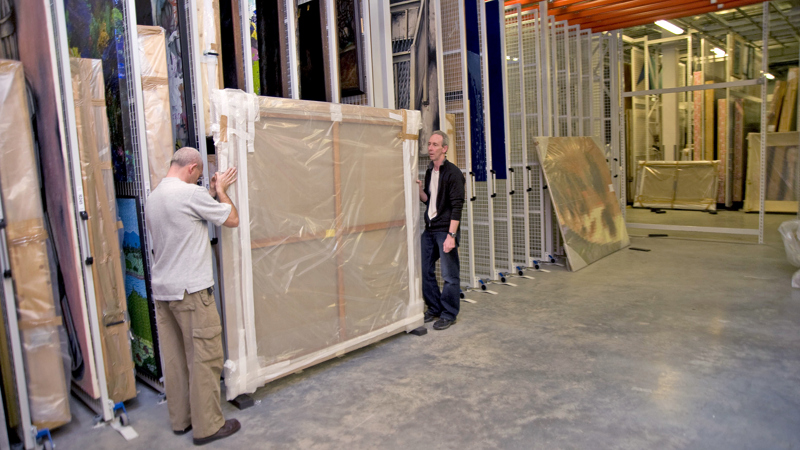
(326, 258)
(155, 92)
(582, 191)
(210, 73)
(94, 146)
(780, 183)
(677, 185)
(30, 268)
(790, 231)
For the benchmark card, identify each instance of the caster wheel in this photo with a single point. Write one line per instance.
(552, 261)
(124, 420)
(536, 266)
(47, 444)
(502, 279)
(519, 273)
(462, 295)
(483, 287)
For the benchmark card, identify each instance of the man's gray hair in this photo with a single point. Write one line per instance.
(445, 139)
(185, 156)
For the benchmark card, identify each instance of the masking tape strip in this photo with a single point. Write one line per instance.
(154, 82)
(29, 324)
(336, 112)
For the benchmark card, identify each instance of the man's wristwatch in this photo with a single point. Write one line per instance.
(452, 234)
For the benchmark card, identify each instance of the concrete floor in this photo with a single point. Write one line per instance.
(695, 344)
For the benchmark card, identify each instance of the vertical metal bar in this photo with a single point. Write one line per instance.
(487, 126)
(622, 154)
(764, 69)
(291, 29)
(690, 96)
(524, 125)
(439, 62)
(333, 54)
(567, 80)
(580, 83)
(247, 48)
(647, 141)
(366, 37)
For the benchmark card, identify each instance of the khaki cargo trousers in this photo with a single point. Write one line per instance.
(190, 337)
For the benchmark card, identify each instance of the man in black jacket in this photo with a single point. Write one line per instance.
(443, 193)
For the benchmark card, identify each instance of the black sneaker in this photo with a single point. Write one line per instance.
(443, 324)
(231, 426)
(430, 317)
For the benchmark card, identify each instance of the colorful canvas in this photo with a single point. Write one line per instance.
(697, 119)
(722, 146)
(587, 208)
(142, 316)
(738, 150)
(95, 29)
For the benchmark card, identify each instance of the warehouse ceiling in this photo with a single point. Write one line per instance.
(712, 19)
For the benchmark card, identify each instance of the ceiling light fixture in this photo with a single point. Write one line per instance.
(674, 29)
(719, 52)
(769, 76)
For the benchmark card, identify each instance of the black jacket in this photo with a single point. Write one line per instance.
(450, 199)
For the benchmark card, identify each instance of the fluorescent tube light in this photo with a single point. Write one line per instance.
(719, 52)
(769, 76)
(674, 29)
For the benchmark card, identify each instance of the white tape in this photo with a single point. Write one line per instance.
(610, 188)
(336, 112)
(397, 117)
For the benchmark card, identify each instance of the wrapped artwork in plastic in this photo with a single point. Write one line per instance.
(677, 185)
(155, 92)
(210, 73)
(30, 269)
(586, 205)
(790, 231)
(782, 159)
(94, 147)
(326, 258)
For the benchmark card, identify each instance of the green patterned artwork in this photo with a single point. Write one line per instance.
(141, 311)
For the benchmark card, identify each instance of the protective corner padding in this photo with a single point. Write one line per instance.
(677, 185)
(326, 259)
(48, 395)
(782, 154)
(88, 88)
(155, 92)
(790, 232)
(210, 73)
(587, 207)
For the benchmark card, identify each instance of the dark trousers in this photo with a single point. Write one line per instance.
(446, 303)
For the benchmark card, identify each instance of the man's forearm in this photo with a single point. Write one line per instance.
(454, 226)
(223, 198)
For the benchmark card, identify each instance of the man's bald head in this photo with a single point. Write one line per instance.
(186, 156)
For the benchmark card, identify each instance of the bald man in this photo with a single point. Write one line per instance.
(189, 329)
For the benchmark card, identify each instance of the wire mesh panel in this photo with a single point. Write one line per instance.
(533, 108)
(588, 85)
(515, 62)
(454, 62)
(483, 225)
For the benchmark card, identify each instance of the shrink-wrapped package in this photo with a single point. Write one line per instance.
(94, 148)
(30, 268)
(677, 185)
(210, 73)
(155, 92)
(326, 258)
(587, 207)
(780, 183)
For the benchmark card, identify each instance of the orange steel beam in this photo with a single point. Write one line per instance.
(625, 21)
(591, 5)
(625, 8)
(642, 11)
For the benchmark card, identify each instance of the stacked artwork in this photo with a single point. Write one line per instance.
(328, 261)
(166, 16)
(677, 185)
